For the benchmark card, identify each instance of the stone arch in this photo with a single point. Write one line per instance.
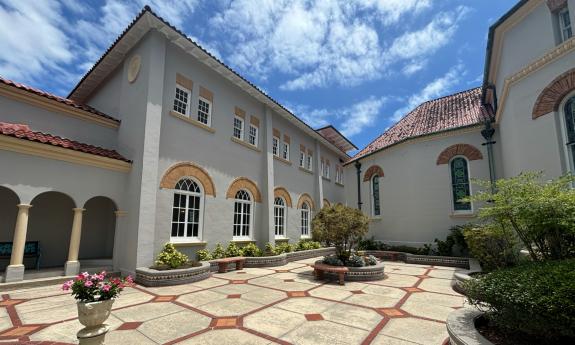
(9, 201)
(372, 171)
(305, 198)
(281, 191)
(179, 170)
(244, 183)
(466, 150)
(98, 228)
(326, 203)
(550, 98)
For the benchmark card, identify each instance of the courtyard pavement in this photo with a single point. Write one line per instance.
(282, 305)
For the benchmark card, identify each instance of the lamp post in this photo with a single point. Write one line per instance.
(358, 169)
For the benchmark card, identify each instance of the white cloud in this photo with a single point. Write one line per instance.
(436, 88)
(352, 120)
(323, 43)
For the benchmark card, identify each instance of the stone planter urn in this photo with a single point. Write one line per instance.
(93, 315)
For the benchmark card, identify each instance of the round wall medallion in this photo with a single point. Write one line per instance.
(134, 68)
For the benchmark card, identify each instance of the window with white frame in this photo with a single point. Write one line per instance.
(243, 208)
(305, 219)
(181, 100)
(302, 159)
(569, 112)
(204, 111)
(238, 128)
(309, 162)
(285, 151)
(276, 146)
(564, 24)
(279, 217)
(253, 135)
(327, 172)
(339, 174)
(187, 211)
(322, 169)
(375, 202)
(460, 184)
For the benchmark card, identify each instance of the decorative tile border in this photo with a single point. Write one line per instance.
(408, 258)
(150, 277)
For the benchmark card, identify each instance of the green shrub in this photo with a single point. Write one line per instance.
(370, 260)
(493, 245)
(332, 260)
(269, 250)
(369, 244)
(171, 257)
(251, 250)
(284, 247)
(541, 213)
(537, 298)
(203, 255)
(340, 226)
(218, 252)
(233, 250)
(355, 261)
(307, 245)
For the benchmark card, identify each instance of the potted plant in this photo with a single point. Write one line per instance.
(95, 294)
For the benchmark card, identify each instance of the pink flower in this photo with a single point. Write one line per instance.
(103, 274)
(80, 277)
(106, 287)
(67, 285)
(129, 280)
(88, 283)
(85, 275)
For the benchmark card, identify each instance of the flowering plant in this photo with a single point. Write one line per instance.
(96, 287)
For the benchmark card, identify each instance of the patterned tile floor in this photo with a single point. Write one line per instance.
(284, 305)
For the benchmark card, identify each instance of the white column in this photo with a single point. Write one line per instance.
(121, 218)
(268, 234)
(72, 266)
(15, 271)
(319, 175)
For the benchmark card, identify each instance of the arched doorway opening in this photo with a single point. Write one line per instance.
(50, 224)
(8, 212)
(98, 229)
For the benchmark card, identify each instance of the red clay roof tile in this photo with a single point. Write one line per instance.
(24, 132)
(461, 109)
(62, 100)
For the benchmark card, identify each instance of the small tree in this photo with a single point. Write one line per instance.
(542, 214)
(340, 226)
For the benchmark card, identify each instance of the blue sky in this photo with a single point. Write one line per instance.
(359, 65)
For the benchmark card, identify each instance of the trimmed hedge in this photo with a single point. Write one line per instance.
(537, 299)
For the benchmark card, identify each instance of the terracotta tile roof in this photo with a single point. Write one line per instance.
(446, 113)
(59, 99)
(24, 132)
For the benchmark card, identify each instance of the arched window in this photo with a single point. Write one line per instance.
(279, 217)
(569, 111)
(460, 184)
(186, 211)
(375, 204)
(305, 218)
(242, 214)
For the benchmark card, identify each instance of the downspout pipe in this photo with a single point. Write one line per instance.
(487, 133)
(358, 170)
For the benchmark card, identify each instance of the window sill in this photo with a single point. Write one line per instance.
(188, 243)
(281, 239)
(306, 237)
(192, 121)
(243, 240)
(243, 143)
(340, 184)
(306, 170)
(326, 178)
(463, 215)
(285, 161)
(375, 219)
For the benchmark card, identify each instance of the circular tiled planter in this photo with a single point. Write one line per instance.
(461, 328)
(151, 277)
(355, 274)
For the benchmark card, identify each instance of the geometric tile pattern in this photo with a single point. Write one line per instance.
(253, 306)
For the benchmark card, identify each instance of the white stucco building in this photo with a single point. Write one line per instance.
(164, 143)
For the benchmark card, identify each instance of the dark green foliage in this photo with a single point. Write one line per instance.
(355, 261)
(218, 252)
(536, 298)
(233, 250)
(270, 249)
(493, 245)
(251, 250)
(332, 260)
(284, 247)
(307, 245)
(370, 260)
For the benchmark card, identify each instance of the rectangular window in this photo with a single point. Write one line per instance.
(565, 24)
(181, 100)
(309, 162)
(238, 128)
(285, 151)
(279, 221)
(322, 169)
(275, 146)
(204, 111)
(253, 135)
(305, 222)
(339, 174)
(302, 159)
(327, 170)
